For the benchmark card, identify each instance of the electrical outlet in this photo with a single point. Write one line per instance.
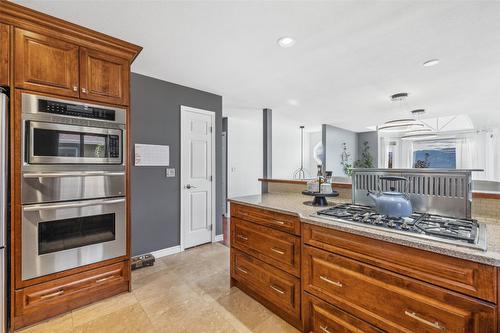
(170, 172)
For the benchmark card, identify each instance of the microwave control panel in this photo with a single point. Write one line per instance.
(68, 109)
(114, 146)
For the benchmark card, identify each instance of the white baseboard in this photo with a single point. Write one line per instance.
(219, 238)
(166, 252)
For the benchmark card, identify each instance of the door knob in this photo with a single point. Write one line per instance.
(189, 186)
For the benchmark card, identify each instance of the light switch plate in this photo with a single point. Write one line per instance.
(170, 172)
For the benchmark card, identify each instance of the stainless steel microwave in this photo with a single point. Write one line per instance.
(67, 132)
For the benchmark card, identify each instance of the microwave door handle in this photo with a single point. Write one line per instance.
(71, 174)
(75, 205)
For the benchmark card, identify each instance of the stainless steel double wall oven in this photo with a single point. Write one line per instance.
(73, 184)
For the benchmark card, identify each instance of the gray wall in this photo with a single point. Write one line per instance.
(333, 139)
(155, 119)
(372, 138)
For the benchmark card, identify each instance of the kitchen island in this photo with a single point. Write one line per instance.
(329, 276)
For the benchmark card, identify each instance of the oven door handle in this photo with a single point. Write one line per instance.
(72, 205)
(71, 174)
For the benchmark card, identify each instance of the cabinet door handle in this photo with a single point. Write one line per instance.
(104, 279)
(242, 237)
(84, 90)
(57, 293)
(324, 328)
(242, 270)
(75, 88)
(277, 251)
(279, 222)
(278, 290)
(434, 324)
(337, 284)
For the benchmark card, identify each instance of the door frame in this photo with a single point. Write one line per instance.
(183, 109)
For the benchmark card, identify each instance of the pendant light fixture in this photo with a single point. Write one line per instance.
(420, 134)
(423, 133)
(403, 124)
(301, 172)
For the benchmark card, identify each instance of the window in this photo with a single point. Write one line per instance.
(435, 154)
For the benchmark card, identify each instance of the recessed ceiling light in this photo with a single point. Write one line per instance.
(286, 41)
(430, 63)
(293, 102)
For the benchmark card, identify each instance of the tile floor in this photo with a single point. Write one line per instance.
(186, 292)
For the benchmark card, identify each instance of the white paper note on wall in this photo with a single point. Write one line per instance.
(151, 155)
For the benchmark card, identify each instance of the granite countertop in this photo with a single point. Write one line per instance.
(292, 203)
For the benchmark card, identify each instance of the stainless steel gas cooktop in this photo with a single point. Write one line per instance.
(461, 232)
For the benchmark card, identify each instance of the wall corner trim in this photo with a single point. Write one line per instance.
(166, 252)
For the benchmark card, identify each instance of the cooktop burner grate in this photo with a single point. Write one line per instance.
(463, 232)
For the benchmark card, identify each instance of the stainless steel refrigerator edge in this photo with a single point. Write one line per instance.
(3, 206)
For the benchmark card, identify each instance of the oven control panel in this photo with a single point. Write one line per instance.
(68, 109)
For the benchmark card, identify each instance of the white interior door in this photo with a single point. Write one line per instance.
(197, 176)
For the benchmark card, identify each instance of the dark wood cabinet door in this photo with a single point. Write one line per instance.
(275, 220)
(104, 78)
(270, 283)
(4, 54)
(48, 299)
(46, 64)
(321, 317)
(274, 247)
(389, 301)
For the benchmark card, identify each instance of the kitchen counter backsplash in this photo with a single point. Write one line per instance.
(486, 210)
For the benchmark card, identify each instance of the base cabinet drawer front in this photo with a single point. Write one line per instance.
(321, 317)
(268, 218)
(274, 247)
(466, 277)
(274, 285)
(390, 301)
(48, 299)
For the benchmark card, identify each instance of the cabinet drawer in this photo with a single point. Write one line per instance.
(275, 247)
(283, 222)
(460, 275)
(277, 287)
(48, 299)
(321, 317)
(390, 301)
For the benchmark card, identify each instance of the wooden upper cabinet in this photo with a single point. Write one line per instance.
(103, 78)
(4, 54)
(46, 64)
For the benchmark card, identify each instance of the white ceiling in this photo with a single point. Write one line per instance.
(349, 56)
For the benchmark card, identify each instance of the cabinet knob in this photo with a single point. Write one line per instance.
(75, 88)
(84, 90)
